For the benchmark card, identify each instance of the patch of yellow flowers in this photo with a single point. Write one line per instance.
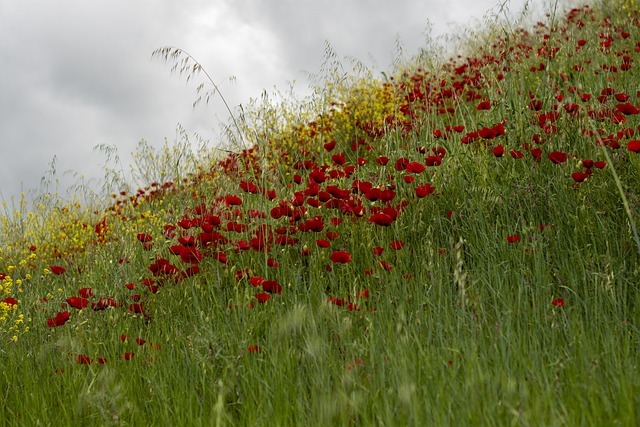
(11, 319)
(287, 133)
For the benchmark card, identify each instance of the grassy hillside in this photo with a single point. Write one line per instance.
(455, 244)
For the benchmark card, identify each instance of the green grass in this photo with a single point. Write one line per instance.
(466, 328)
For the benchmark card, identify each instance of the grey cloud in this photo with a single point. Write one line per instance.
(77, 73)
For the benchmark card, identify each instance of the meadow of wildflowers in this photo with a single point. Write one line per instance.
(454, 244)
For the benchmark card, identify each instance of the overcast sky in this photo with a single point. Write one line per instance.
(78, 73)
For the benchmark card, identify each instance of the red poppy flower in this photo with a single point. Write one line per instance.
(336, 301)
(486, 133)
(313, 202)
(361, 186)
(600, 165)
(77, 302)
(469, 137)
(341, 257)
(329, 145)
(59, 320)
(9, 301)
(381, 219)
(102, 360)
(513, 238)
(571, 108)
(516, 154)
(322, 243)
(130, 286)
(339, 159)
(278, 212)
(558, 302)
(256, 281)
(85, 292)
(103, 303)
(162, 266)
(262, 297)
(188, 256)
(622, 97)
(628, 109)
(254, 348)
(187, 241)
(424, 190)
(140, 341)
(144, 238)
(232, 200)
(186, 224)
(536, 153)
(579, 176)
(318, 176)
(248, 187)
(385, 265)
(272, 287)
(129, 355)
(634, 146)
(433, 161)
(557, 157)
(148, 282)
(377, 251)
(312, 225)
(415, 167)
(401, 164)
(397, 244)
(490, 133)
(382, 160)
(57, 269)
(136, 308)
(332, 235)
(484, 105)
(498, 151)
(83, 360)
(373, 194)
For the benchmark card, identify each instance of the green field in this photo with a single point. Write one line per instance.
(453, 242)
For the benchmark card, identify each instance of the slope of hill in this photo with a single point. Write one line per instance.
(456, 244)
